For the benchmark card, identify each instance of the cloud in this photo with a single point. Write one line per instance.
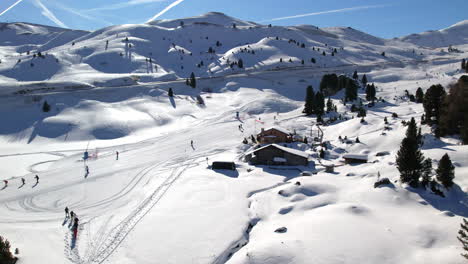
(326, 12)
(169, 7)
(47, 13)
(124, 5)
(13, 5)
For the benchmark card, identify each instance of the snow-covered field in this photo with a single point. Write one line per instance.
(159, 202)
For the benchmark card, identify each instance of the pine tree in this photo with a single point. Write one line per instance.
(454, 110)
(464, 132)
(319, 103)
(364, 79)
(240, 63)
(409, 162)
(355, 75)
(432, 103)
(193, 81)
(419, 95)
(309, 101)
(445, 171)
(463, 237)
(350, 90)
(170, 93)
(463, 64)
(6, 257)
(412, 130)
(45, 107)
(357, 140)
(330, 106)
(426, 172)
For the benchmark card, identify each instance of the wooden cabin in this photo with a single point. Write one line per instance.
(355, 158)
(274, 154)
(274, 135)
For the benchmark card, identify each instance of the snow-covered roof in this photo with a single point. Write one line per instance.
(355, 156)
(285, 149)
(279, 129)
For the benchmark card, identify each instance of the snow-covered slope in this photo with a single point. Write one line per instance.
(456, 34)
(214, 18)
(159, 202)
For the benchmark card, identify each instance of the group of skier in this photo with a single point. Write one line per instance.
(74, 221)
(23, 181)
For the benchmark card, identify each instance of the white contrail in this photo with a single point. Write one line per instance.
(13, 5)
(326, 12)
(165, 10)
(81, 14)
(125, 4)
(47, 13)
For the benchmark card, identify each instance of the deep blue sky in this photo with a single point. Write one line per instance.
(383, 18)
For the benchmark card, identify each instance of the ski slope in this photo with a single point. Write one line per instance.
(160, 203)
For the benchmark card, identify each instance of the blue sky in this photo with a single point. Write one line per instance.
(378, 17)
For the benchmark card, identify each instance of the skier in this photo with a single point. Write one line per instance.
(75, 228)
(72, 214)
(23, 181)
(66, 212)
(87, 170)
(191, 143)
(116, 155)
(37, 178)
(237, 114)
(6, 183)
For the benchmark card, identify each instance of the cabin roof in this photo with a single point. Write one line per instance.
(280, 129)
(285, 149)
(355, 156)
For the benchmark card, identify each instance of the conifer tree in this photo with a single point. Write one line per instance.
(319, 103)
(409, 158)
(309, 101)
(240, 63)
(454, 110)
(350, 90)
(6, 257)
(419, 95)
(355, 75)
(445, 171)
(432, 103)
(364, 79)
(193, 81)
(330, 106)
(463, 237)
(426, 172)
(170, 93)
(45, 107)
(463, 64)
(412, 130)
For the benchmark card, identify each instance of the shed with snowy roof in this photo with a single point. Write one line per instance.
(274, 154)
(355, 158)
